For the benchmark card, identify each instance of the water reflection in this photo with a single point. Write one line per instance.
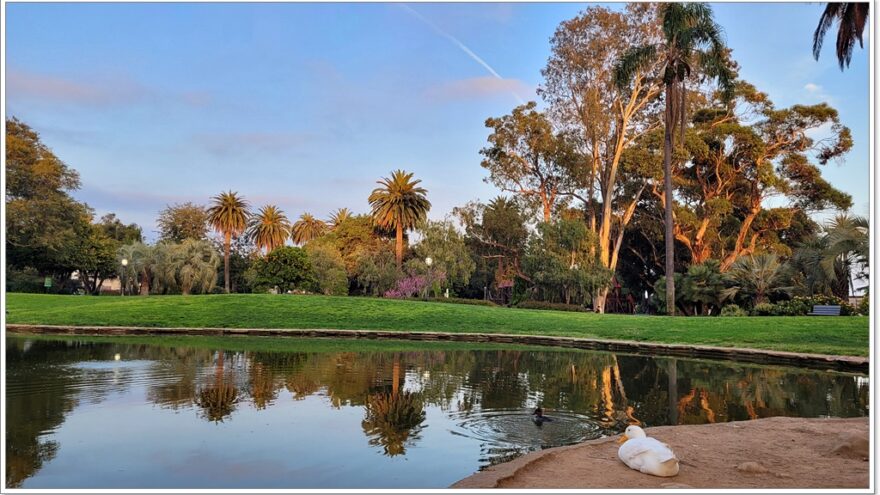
(469, 403)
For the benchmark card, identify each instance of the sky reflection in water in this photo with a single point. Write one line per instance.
(311, 413)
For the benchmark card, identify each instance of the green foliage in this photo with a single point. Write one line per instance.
(863, 308)
(554, 306)
(447, 249)
(24, 280)
(43, 222)
(115, 229)
(756, 278)
(763, 309)
(287, 268)
(733, 310)
(186, 268)
(328, 269)
(561, 265)
(377, 271)
(183, 221)
(526, 156)
(703, 287)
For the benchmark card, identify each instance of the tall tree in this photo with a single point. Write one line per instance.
(851, 18)
(585, 101)
(339, 216)
(307, 228)
(528, 158)
(399, 204)
(739, 156)
(228, 215)
(269, 228)
(183, 221)
(691, 43)
(497, 233)
(43, 221)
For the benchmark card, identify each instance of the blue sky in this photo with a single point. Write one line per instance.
(306, 105)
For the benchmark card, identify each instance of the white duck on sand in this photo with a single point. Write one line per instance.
(645, 454)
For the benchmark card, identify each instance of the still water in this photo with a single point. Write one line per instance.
(202, 412)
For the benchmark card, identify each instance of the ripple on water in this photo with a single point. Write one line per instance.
(507, 433)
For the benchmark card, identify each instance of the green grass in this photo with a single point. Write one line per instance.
(826, 335)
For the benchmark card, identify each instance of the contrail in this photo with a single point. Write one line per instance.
(476, 58)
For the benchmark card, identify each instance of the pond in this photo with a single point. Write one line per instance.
(260, 412)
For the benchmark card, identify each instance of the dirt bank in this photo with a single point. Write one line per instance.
(765, 453)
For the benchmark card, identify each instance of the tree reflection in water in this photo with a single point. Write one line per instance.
(218, 399)
(470, 385)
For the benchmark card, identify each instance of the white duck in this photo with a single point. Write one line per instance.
(645, 454)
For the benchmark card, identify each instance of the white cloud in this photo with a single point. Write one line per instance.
(813, 88)
(481, 87)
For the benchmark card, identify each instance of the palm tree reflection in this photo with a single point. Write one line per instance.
(391, 419)
(218, 399)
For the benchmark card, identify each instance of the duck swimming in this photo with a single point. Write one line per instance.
(647, 455)
(539, 418)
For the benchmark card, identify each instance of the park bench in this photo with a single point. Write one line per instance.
(825, 311)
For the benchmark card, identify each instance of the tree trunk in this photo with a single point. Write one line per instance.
(399, 246)
(667, 185)
(145, 283)
(599, 301)
(228, 246)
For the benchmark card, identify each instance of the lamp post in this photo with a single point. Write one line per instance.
(429, 262)
(124, 263)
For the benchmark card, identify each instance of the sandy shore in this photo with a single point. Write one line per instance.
(765, 453)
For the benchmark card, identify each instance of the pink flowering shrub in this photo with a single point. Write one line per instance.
(416, 285)
(408, 287)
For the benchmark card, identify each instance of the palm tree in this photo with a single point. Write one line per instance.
(691, 42)
(338, 217)
(141, 262)
(852, 18)
(757, 276)
(848, 247)
(194, 265)
(399, 204)
(269, 228)
(228, 215)
(307, 228)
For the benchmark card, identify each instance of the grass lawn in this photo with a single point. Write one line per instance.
(826, 335)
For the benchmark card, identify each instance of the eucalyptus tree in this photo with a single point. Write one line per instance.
(399, 204)
(269, 228)
(603, 118)
(307, 228)
(183, 221)
(691, 44)
(228, 215)
(527, 157)
(851, 18)
(738, 157)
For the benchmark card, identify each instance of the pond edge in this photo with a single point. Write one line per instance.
(852, 364)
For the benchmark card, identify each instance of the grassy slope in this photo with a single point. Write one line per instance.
(828, 335)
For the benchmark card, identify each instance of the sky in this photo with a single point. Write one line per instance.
(306, 105)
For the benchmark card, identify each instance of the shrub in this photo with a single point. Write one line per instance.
(285, 267)
(763, 309)
(551, 306)
(733, 310)
(461, 300)
(328, 269)
(408, 287)
(864, 306)
(793, 307)
(27, 280)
